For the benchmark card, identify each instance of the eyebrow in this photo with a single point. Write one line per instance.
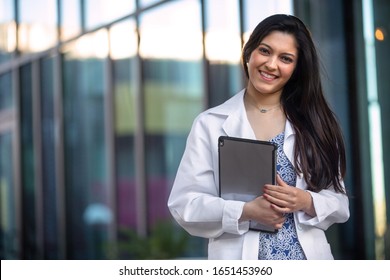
(286, 53)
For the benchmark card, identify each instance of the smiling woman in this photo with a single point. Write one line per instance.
(97, 98)
(270, 67)
(282, 107)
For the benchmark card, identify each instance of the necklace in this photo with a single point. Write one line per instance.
(263, 110)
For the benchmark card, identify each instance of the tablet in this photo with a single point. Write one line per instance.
(245, 166)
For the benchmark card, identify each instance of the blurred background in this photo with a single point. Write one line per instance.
(97, 98)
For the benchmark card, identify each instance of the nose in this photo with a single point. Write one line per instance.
(271, 63)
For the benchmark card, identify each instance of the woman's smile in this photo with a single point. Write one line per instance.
(272, 63)
(267, 76)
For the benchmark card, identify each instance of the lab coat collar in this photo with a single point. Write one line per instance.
(236, 123)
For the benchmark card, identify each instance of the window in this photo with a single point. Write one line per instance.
(38, 25)
(8, 230)
(98, 12)
(171, 49)
(7, 30)
(49, 183)
(123, 51)
(223, 50)
(88, 209)
(6, 97)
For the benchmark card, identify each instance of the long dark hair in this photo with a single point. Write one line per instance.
(319, 151)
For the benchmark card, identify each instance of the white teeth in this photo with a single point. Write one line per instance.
(268, 76)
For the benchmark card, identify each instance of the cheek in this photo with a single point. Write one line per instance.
(255, 59)
(251, 67)
(288, 71)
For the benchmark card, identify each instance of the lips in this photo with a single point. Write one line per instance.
(267, 76)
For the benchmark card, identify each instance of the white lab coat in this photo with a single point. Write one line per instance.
(196, 206)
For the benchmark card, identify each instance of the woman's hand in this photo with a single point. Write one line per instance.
(288, 199)
(260, 210)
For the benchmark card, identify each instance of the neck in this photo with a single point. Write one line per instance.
(262, 99)
(262, 107)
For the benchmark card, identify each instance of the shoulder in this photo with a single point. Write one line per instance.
(212, 120)
(227, 108)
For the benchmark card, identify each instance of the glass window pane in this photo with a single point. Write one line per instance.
(380, 126)
(50, 233)
(27, 162)
(6, 97)
(123, 41)
(87, 191)
(146, 3)
(255, 11)
(171, 49)
(70, 19)
(7, 29)
(8, 232)
(223, 49)
(38, 25)
(100, 12)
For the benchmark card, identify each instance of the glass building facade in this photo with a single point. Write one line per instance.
(97, 98)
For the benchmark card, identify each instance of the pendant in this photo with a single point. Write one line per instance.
(263, 110)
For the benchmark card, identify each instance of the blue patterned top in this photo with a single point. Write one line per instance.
(284, 244)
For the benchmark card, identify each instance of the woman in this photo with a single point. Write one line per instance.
(283, 102)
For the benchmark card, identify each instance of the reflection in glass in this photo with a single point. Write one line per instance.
(223, 41)
(7, 30)
(38, 25)
(223, 49)
(8, 231)
(123, 50)
(171, 48)
(81, 48)
(87, 194)
(145, 3)
(172, 31)
(382, 46)
(48, 161)
(27, 162)
(255, 11)
(6, 97)
(70, 19)
(100, 12)
(123, 40)
(376, 98)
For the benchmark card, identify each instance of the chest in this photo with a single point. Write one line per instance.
(266, 125)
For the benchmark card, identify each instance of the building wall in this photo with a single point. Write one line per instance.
(97, 99)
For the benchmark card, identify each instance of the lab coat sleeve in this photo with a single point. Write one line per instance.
(194, 200)
(330, 207)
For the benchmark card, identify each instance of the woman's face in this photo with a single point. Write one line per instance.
(272, 63)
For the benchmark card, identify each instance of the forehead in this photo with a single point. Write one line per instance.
(282, 41)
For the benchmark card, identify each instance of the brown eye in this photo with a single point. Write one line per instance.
(287, 59)
(263, 50)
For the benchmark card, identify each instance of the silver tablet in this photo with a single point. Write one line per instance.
(245, 166)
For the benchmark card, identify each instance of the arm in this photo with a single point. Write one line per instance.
(320, 209)
(262, 211)
(194, 200)
(288, 199)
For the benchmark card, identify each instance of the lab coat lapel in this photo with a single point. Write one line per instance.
(289, 139)
(236, 123)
